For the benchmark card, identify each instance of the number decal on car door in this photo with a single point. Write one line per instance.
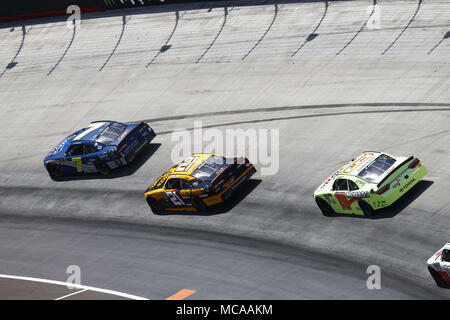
(78, 162)
(174, 198)
(345, 204)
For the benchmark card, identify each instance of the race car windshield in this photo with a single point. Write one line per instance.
(446, 255)
(110, 133)
(374, 170)
(209, 169)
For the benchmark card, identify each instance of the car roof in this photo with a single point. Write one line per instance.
(91, 131)
(359, 163)
(189, 165)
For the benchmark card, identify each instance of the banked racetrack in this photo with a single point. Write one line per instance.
(334, 77)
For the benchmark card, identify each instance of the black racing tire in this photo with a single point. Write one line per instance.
(199, 204)
(325, 207)
(102, 168)
(437, 278)
(366, 208)
(154, 205)
(54, 171)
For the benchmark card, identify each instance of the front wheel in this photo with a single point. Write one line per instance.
(102, 168)
(54, 171)
(199, 204)
(325, 207)
(155, 206)
(366, 208)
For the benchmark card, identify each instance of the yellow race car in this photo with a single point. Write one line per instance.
(199, 182)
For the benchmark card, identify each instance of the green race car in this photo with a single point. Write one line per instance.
(368, 183)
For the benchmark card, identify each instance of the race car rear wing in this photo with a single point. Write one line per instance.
(233, 170)
(394, 171)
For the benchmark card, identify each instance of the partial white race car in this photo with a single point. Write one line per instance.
(439, 266)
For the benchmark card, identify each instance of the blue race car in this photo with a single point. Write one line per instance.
(101, 147)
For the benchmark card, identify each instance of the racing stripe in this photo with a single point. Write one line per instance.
(92, 127)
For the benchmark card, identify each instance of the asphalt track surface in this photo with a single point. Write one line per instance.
(316, 71)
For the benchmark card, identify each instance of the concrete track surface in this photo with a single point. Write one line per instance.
(322, 73)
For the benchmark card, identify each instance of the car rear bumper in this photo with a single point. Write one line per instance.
(225, 194)
(140, 147)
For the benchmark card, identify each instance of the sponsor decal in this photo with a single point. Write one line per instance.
(406, 186)
(357, 194)
(120, 138)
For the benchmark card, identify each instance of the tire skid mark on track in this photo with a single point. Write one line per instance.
(265, 33)
(313, 34)
(360, 30)
(440, 134)
(307, 117)
(404, 29)
(67, 49)
(124, 22)
(12, 63)
(290, 108)
(177, 19)
(225, 15)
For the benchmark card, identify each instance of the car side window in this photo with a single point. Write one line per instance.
(174, 183)
(340, 185)
(446, 255)
(88, 149)
(76, 150)
(352, 186)
(186, 184)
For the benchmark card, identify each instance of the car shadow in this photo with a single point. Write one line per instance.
(400, 205)
(131, 168)
(244, 190)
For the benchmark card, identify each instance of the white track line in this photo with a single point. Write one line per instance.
(73, 286)
(70, 294)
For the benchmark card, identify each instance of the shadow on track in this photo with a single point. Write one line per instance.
(128, 170)
(402, 203)
(244, 190)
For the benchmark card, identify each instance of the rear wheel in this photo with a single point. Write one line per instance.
(102, 168)
(325, 207)
(53, 170)
(155, 206)
(366, 208)
(199, 204)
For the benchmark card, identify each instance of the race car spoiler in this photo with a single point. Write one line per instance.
(393, 171)
(240, 160)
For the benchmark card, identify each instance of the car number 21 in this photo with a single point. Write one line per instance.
(174, 198)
